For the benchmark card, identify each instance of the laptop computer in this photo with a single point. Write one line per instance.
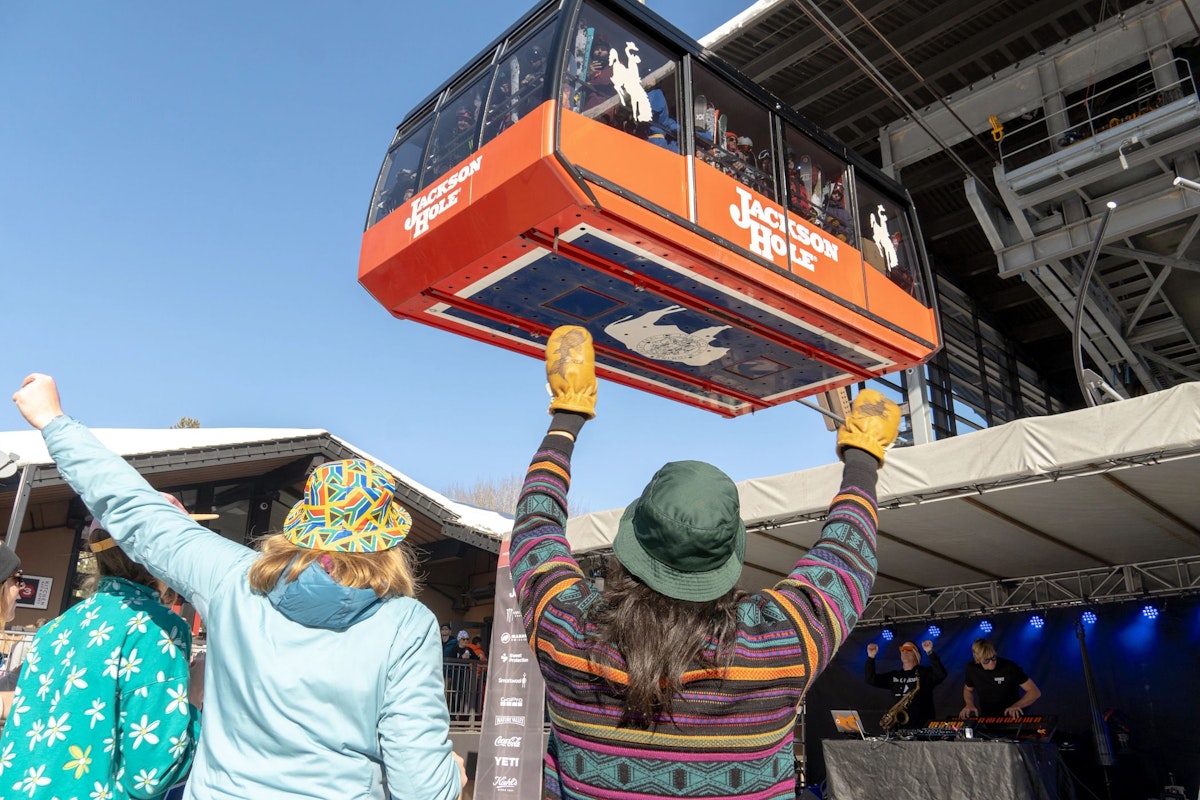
(848, 721)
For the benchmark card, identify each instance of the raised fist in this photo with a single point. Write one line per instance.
(37, 400)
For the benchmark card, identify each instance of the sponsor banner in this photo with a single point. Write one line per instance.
(511, 742)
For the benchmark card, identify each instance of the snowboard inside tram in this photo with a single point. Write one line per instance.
(594, 166)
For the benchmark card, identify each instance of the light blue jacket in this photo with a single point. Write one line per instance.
(339, 706)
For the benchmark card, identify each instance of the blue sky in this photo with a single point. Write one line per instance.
(182, 199)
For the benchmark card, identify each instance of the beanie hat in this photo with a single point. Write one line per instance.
(9, 562)
(684, 536)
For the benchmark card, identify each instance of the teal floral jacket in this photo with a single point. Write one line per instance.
(101, 707)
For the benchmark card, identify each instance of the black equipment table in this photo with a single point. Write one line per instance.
(893, 769)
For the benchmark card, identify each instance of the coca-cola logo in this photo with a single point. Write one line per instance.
(508, 741)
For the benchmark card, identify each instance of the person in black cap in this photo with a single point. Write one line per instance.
(10, 569)
(12, 647)
(533, 78)
(671, 681)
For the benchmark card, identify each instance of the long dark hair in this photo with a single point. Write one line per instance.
(660, 638)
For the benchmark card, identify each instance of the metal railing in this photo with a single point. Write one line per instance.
(14, 646)
(1084, 119)
(466, 683)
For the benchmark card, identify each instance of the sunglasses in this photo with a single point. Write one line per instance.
(988, 660)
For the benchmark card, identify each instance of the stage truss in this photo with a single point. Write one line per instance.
(1149, 580)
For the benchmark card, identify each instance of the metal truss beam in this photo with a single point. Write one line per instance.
(1016, 89)
(1167, 578)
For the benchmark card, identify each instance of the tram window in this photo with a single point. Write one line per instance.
(617, 75)
(456, 131)
(398, 178)
(888, 244)
(520, 83)
(733, 133)
(816, 186)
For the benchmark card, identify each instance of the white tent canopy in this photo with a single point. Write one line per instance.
(1114, 484)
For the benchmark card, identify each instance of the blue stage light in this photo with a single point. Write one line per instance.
(934, 631)
(887, 634)
(985, 626)
(1037, 621)
(1150, 611)
(1088, 617)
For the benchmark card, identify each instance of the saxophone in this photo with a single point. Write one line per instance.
(898, 714)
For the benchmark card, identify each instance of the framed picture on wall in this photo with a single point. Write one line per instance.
(34, 591)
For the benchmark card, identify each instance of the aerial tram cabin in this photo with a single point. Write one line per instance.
(596, 167)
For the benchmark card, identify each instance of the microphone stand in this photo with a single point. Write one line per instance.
(1104, 751)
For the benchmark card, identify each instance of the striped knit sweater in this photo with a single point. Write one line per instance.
(731, 734)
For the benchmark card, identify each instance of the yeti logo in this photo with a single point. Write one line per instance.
(645, 337)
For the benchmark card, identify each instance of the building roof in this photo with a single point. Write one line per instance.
(195, 454)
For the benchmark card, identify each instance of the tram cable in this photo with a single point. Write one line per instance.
(836, 35)
(933, 90)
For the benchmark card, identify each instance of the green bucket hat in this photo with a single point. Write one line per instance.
(684, 536)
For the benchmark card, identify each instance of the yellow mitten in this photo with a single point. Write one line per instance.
(871, 425)
(571, 370)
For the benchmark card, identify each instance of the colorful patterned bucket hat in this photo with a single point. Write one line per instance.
(350, 507)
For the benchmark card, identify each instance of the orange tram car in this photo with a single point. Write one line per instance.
(596, 167)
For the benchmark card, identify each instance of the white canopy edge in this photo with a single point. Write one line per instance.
(1159, 426)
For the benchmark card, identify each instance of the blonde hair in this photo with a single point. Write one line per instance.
(982, 649)
(389, 573)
